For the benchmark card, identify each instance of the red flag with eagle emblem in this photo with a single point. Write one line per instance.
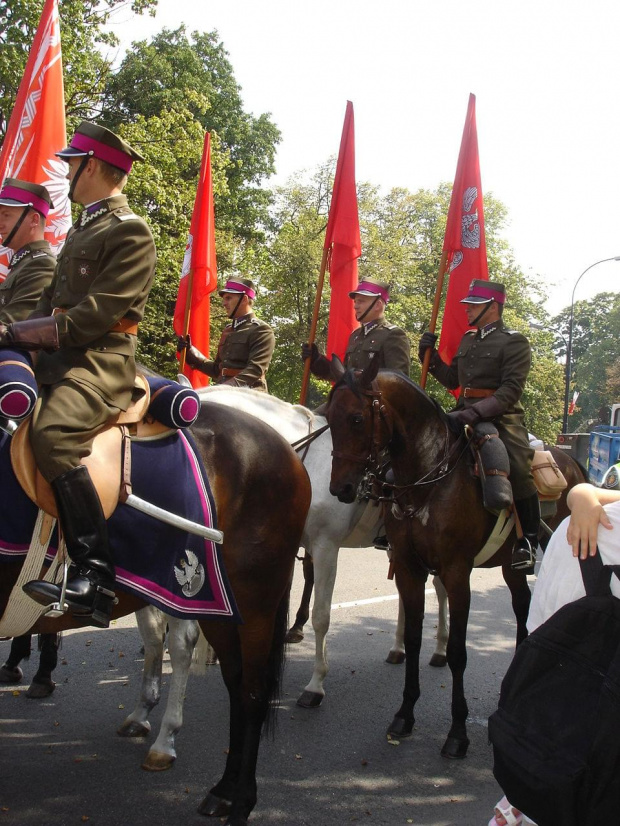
(37, 129)
(464, 241)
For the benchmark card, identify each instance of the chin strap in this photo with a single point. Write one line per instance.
(80, 169)
(481, 315)
(364, 314)
(6, 241)
(234, 312)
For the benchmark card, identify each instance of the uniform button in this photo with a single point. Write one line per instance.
(70, 240)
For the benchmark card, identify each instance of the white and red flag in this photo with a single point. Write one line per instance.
(199, 273)
(573, 403)
(464, 242)
(37, 129)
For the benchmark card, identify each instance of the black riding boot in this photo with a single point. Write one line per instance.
(524, 551)
(90, 592)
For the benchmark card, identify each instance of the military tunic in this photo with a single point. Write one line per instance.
(102, 280)
(243, 355)
(497, 359)
(376, 339)
(30, 271)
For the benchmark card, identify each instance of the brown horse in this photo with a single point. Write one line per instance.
(262, 495)
(437, 523)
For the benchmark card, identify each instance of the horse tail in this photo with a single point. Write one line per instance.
(275, 663)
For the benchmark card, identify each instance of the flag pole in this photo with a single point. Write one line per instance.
(435, 312)
(315, 317)
(186, 316)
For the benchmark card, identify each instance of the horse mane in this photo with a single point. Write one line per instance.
(350, 380)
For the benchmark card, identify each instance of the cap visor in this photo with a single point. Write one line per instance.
(476, 300)
(12, 202)
(70, 152)
(231, 292)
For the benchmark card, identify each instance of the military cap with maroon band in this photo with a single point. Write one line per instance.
(372, 287)
(483, 292)
(16, 193)
(99, 142)
(238, 286)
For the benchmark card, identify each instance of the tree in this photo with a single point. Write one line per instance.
(197, 72)
(85, 67)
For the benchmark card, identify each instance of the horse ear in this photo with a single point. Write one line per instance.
(337, 368)
(369, 373)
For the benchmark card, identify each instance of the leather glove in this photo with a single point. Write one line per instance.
(457, 419)
(427, 342)
(183, 342)
(309, 351)
(193, 357)
(31, 334)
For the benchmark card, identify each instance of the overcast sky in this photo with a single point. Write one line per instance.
(545, 74)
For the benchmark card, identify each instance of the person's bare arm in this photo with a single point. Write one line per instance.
(586, 504)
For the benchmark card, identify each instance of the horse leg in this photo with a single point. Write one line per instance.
(325, 566)
(42, 684)
(20, 650)
(152, 627)
(182, 639)
(411, 590)
(521, 596)
(439, 658)
(396, 655)
(459, 597)
(296, 631)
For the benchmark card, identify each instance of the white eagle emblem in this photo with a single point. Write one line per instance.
(191, 574)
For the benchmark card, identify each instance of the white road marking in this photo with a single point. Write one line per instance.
(387, 598)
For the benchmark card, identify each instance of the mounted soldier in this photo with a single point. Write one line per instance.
(84, 327)
(246, 345)
(24, 206)
(491, 367)
(374, 338)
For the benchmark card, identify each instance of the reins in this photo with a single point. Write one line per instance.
(305, 442)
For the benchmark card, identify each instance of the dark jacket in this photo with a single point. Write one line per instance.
(30, 271)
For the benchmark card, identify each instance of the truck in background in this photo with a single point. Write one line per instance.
(598, 452)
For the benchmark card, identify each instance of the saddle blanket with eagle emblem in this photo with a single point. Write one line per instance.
(180, 573)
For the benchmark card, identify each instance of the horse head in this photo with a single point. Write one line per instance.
(359, 424)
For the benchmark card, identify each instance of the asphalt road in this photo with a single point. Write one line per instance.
(62, 763)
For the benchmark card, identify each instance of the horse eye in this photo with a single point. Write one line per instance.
(357, 419)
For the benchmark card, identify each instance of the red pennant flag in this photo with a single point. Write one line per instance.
(37, 129)
(342, 239)
(573, 404)
(199, 273)
(464, 241)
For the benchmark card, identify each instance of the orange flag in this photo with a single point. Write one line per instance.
(37, 129)
(464, 240)
(342, 239)
(199, 273)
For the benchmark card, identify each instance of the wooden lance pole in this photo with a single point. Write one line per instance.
(434, 314)
(315, 318)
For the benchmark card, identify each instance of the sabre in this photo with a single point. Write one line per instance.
(172, 519)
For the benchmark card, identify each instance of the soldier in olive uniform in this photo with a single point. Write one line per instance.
(246, 346)
(85, 326)
(23, 209)
(375, 338)
(491, 366)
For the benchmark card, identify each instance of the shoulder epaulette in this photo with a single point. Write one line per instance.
(124, 214)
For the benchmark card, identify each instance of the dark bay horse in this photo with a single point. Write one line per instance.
(437, 523)
(262, 495)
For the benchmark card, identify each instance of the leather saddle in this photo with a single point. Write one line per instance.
(105, 463)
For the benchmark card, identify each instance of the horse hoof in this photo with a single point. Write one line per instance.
(438, 661)
(395, 658)
(213, 806)
(400, 728)
(11, 675)
(294, 635)
(310, 699)
(132, 729)
(455, 748)
(38, 691)
(157, 761)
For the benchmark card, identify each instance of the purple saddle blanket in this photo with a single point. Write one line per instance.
(178, 572)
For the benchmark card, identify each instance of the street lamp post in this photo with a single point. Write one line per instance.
(569, 349)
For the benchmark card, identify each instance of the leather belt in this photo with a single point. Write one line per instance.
(230, 371)
(477, 393)
(124, 325)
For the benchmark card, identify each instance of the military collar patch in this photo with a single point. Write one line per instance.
(19, 256)
(93, 211)
(237, 322)
(367, 328)
(484, 331)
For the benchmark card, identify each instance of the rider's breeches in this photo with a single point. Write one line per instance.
(520, 455)
(67, 417)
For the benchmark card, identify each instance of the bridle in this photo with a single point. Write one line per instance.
(371, 459)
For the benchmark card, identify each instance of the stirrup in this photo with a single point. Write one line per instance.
(60, 608)
(521, 562)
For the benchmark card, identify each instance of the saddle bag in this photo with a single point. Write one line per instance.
(548, 477)
(493, 467)
(555, 733)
